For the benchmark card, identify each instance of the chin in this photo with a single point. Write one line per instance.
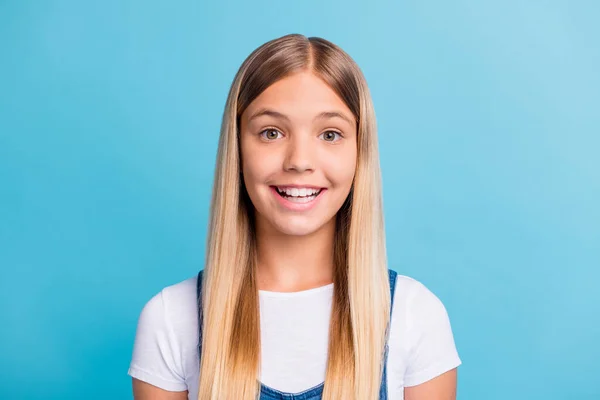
(292, 228)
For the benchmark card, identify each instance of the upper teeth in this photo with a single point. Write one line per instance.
(295, 192)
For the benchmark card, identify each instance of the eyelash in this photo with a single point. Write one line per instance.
(261, 134)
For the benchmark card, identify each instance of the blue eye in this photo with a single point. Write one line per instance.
(270, 134)
(331, 136)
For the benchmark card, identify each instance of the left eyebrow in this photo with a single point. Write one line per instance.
(321, 116)
(334, 114)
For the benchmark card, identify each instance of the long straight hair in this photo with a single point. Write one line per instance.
(230, 362)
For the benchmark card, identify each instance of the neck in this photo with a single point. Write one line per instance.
(294, 263)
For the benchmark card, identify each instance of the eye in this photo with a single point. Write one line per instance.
(331, 136)
(270, 134)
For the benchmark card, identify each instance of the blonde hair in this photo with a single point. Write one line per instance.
(230, 361)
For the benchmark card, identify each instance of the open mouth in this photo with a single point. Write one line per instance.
(298, 195)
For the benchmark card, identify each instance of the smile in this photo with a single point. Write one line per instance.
(298, 195)
(297, 198)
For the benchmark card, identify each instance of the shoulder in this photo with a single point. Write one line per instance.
(421, 338)
(170, 316)
(166, 337)
(413, 295)
(172, 301)
(181, 294)
(416, 306)
(178, 306)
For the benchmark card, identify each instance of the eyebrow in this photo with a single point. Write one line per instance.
(323, 115)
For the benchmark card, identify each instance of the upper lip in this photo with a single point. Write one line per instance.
(298, 186)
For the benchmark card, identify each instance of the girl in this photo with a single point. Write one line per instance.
(296, 300)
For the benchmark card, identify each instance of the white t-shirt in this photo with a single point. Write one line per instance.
(294, 336)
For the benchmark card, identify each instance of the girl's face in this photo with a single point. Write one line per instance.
(298, 149)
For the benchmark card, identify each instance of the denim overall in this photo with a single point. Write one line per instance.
(314, 393)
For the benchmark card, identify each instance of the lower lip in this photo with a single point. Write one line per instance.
(290, 205)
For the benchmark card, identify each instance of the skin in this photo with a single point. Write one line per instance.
(146, 391)
(297, 146)
(286, 140)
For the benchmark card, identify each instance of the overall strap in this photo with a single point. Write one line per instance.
(383, 392)
(393, 275)
(392, 279)
(200, 311)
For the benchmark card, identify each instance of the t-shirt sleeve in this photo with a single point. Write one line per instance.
(156, 353)
(433, 351)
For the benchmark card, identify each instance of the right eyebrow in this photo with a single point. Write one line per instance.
(276, 114)
(269, 112)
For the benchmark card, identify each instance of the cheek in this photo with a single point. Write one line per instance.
(340, 168)
(250, 178)
(257, 168)
(250, 168)
(251, 175)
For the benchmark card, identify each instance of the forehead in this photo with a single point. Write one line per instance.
(301, 95)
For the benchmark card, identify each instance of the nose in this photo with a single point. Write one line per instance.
(300, 154)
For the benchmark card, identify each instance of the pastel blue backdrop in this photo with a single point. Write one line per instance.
(489, 116)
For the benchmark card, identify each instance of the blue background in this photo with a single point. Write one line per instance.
(489, 121)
